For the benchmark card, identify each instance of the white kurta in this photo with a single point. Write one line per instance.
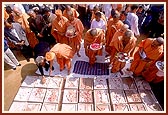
(101, 24)
(133, 20)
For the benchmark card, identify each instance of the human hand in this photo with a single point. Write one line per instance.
(43, 80)
(21, 43)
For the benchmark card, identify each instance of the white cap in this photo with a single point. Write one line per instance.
(39, 59)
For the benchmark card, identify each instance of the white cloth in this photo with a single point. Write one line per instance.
(91, 6)
(101, 24)
(15, 33)
(51, 17)
(19, 33)
(133, 20)
(142, 54)
(10, 58)
(21, 8)
(160, 73)
(107, 9)
(39, 59)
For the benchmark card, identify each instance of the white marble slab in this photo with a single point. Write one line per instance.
(23, 94)
(37, 95)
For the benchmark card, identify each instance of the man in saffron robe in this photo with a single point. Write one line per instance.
(113, 25)
(152, 73)
(94, 35)
(63, 53)
(117, 34)
(124, 44)
(75, 40)
(155, 77)
(58, 27)
(69, 8)
(149, 50)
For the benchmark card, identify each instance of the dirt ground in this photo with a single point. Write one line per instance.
(14, 78)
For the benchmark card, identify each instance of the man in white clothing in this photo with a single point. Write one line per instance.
(133, 20)
(9, 57)
(98, 22)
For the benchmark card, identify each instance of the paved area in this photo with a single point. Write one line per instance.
(114, 92)
(84, 94)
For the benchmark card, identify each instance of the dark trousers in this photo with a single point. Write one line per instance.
(27, 52)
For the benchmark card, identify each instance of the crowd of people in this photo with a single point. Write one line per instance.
(48, 31)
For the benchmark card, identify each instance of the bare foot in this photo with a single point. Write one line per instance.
(43, 80)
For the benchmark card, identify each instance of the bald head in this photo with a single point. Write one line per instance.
(68, 7)
(116, 14)
(70, 13)
(157, 42)
(160, 40)
(93, 32)
(128, 34)
(124, 28)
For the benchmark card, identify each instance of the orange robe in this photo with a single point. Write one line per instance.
(117, 34)
(22, 20)
(150, 73)
(112, 27)
(119, 7)
(75, 42)
(59, 26)
(118, 47)
(75, 13)
(64, 54)
(88, 40)
(6, 15)
(152, 53)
